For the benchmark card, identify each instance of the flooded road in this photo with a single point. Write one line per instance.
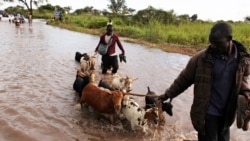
(37, 100)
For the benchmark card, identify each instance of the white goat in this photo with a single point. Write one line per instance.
(122, 83)
(85, 65)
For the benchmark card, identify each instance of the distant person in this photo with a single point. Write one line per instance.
(14, 14)
(110, 59)
(30, 18)
(10, 18)
(219, 74)
(60, 16)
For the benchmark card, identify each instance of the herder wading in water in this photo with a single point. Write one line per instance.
(219, 74)
(110, 59)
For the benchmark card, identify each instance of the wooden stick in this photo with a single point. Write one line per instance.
(149, 95)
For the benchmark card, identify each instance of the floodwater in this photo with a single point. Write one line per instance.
(38, 103)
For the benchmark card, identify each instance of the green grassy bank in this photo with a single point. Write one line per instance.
(187, 35)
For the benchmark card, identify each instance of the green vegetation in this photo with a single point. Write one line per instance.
(153, 27)
(187, 34)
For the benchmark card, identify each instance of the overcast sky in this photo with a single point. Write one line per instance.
(205, 9)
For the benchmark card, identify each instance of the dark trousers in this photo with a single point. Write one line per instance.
(214, 130)
(110, 62)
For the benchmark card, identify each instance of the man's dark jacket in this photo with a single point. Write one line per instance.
(199, 71)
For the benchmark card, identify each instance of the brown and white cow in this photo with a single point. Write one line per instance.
(102, 100)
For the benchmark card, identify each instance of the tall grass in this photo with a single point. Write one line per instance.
(189, 34)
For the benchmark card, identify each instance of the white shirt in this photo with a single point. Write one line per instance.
(107, 38)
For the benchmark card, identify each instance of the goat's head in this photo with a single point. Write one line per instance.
(127, 82)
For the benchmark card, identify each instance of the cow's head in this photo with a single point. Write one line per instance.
(117, 101)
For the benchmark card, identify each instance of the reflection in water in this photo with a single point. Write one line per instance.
(30, 29)
(37, 101)
(18, 30)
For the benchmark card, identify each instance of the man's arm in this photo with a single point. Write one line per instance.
(119, 44)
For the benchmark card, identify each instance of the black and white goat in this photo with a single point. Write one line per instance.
(137, 116)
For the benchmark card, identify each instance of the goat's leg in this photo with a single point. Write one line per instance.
(132, 126)
(111, 118)
(97, 115)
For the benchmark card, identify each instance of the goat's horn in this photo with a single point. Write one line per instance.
(135, 79)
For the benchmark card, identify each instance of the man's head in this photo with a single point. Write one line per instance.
(220, 37)
(109, 29)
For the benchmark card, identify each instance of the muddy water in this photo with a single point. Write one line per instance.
(38, 103)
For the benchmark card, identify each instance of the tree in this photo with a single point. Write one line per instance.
(184, 17)
(47, 7)
(87, 10)
(152, 14)
(118, 7)
(193, 17)
(247, 19)
(17, 9)
(67, 9)
(28, 3)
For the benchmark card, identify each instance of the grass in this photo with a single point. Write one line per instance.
(189, 36)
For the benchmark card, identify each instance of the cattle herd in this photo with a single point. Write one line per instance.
(112, 96)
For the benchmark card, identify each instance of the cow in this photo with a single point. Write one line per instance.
(102, 100)
(137, 116)
(122, 83)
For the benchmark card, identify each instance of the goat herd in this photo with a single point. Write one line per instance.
(111, 96)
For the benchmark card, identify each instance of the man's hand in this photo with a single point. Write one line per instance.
(163, 97)
(122, 57)
(247, 95)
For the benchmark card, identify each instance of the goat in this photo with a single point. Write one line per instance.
(137, 116)
(105, 85)
(82, 79)
(150, 101)
(122, 83)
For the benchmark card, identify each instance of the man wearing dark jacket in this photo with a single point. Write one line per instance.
(110, 59)
(219, 74)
